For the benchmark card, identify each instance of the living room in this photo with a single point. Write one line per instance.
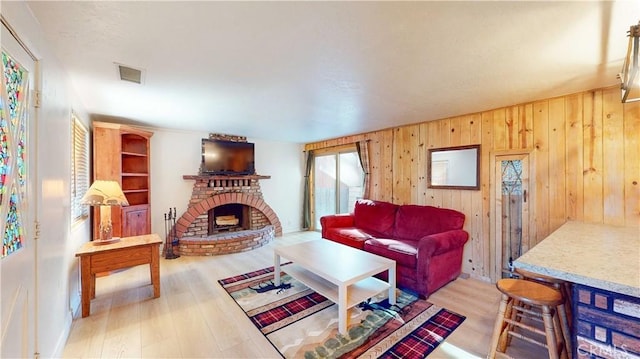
(582, 146)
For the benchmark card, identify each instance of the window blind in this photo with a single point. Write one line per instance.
(79, 168)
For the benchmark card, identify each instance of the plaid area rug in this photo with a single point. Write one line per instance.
(301, 323)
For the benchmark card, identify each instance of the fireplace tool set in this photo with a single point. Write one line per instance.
(170, 231)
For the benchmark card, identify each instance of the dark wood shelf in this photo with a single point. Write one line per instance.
(134, 154)
(135, 190)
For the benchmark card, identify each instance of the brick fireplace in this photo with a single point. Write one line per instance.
(226, 214)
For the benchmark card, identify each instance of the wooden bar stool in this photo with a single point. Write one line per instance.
(564, 310)
(518, 298)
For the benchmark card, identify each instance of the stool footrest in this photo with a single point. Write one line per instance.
(525, 326)
(529, 311)
(525, 338)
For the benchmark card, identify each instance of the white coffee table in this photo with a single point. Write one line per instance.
(341, 273)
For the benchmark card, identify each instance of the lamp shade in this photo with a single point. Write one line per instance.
(105, 193)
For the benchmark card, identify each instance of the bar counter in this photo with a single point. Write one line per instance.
(595, 255)
(603, 264)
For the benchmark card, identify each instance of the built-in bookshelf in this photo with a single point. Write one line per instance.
(121, 153)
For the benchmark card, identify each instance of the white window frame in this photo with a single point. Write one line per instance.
(79, 169)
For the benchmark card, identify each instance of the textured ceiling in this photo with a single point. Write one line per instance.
(305, 71)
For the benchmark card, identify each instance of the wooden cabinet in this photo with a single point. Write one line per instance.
(121, 153)
(135, 220)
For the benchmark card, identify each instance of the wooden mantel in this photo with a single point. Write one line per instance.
(224, 177)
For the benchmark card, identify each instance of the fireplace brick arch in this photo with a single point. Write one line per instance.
(199, 208)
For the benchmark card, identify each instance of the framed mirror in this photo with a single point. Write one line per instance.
(454, 167)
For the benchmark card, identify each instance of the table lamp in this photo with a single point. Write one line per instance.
(105, 194)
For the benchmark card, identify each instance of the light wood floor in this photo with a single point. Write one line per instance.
(195, 318)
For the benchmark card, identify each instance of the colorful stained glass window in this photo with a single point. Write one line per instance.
(12, 239)
(13, 154)
(15, 81)
(4, 152)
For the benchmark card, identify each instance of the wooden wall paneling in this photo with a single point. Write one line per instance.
(375, 162)
(574, 164)
(532, 198)
(500, 143)
(496, 219)
(404, 170)
(452, 197)
(557, 164)
(461, 199)
(399, 176)
(541, 144)
(466, 207)
(444, 129)
(525, 128)
(455, 139)
(632, 163)
(476, 215)
(499, 129)
(486, 186)
(512, 127)
(443, 196)
(438, 137)
(613, 145)
(381, 160)
(466, 127)
(583, 149)
(413, 149)
(423, 133)
(387, 148)
(455, 132)
(593, 167)
(430, 133)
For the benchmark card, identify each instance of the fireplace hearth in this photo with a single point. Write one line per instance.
(226, 214)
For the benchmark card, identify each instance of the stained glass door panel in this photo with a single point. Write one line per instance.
(13, 122)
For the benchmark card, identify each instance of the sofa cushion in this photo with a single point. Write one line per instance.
(415, 221)
(375, 216)
(402, 251)
(350, 236)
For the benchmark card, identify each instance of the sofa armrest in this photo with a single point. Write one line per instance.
(438, 243)
(336, 221)
(439, 259)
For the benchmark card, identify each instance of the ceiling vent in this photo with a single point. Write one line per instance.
(129, 74)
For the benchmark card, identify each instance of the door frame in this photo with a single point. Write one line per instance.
(495, 218)
(336, 150)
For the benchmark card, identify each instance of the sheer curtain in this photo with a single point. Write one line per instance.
(362, 147)
(306, 204)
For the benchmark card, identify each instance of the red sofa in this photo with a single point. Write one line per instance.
(426, 242)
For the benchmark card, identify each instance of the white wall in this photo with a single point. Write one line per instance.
(178, 153)
(57, 268)
(284, 162)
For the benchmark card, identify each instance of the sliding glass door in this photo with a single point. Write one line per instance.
(338, 183)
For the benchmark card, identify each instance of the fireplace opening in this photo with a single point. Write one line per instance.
(229, 218)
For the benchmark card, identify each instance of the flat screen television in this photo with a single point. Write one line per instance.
(227, 157)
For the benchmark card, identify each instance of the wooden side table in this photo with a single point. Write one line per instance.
(125, 253)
